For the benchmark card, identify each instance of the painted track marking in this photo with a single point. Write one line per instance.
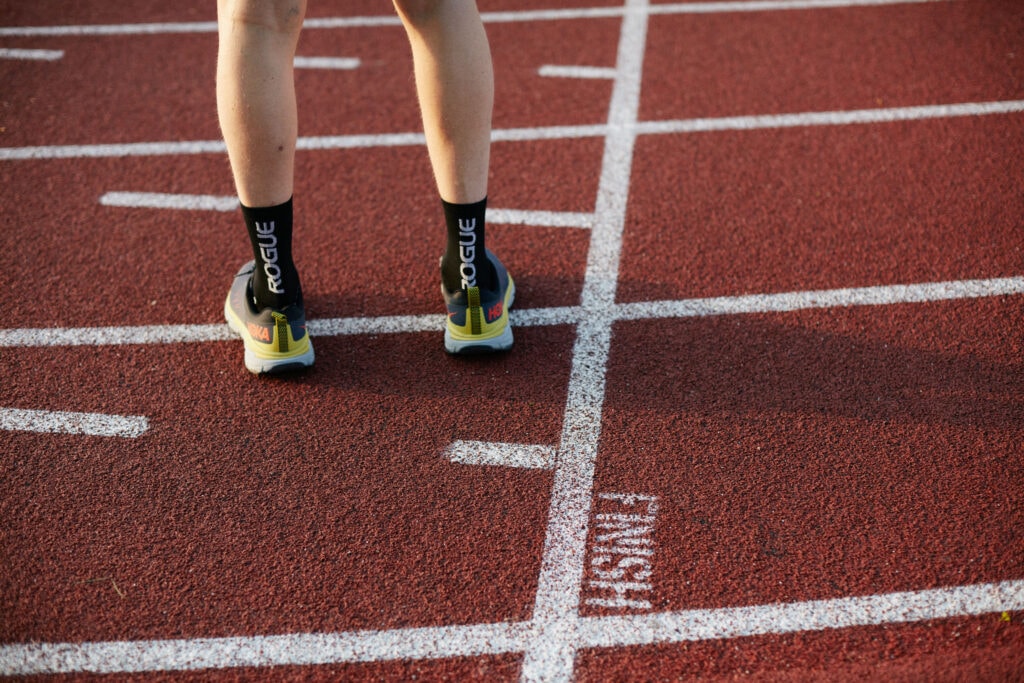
(571, 632)
(61, 422)
(703, 125)
(595, 72)
(551, 652)
(883, 295)
(32, 55)
(194, 202)
(334, 63)
(488, 17)
(502, 638)
(161, 200)
(531, 456)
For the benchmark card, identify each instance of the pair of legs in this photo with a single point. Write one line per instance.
(256, 105)
(256, 93)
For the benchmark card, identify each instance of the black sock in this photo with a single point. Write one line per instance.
(465, 262)
(275, 282)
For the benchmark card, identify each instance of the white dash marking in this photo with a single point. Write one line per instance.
(570, 71)
(337, 63)
(32, 55)
(88, 424)
(159, 200)
(530, 456)
(547, 219)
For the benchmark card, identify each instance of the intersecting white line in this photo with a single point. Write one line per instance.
(488, 17)
(477, 640)
(677, 126)
(202, 202)
(551, 652)
(565, 315)
(884, 295)
(815, 615)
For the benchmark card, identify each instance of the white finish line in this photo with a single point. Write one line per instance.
(494, 639)
(59, 422)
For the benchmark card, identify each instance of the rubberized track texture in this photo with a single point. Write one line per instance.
(764, 414)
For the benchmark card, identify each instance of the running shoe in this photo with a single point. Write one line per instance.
(478, 318)
(275, 340)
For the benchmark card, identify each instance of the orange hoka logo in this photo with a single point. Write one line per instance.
(259, 333)
(494, 312)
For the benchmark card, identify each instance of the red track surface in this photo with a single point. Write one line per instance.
(763, 458)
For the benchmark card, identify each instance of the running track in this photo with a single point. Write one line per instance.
(763, 418)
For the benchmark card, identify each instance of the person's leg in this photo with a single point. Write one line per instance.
(455, 88)
(256, 95)
(257, 112)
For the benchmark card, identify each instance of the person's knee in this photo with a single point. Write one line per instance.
(282, 16)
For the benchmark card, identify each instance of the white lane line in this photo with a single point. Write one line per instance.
(33, 55)
(816, 615)
(194, 202)
(831, 118)
(260, 651)
(551, 652)
(726, 7)
(730, 123)
(488, 17)
(567, 71)
(112, 150)
(103, 336)
(335, 63)
(474, 640)
(564, 315)
(826, 298)
(60, 422)
(160, 200)
(530, 456)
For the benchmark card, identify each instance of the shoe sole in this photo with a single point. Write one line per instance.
(471, 346)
